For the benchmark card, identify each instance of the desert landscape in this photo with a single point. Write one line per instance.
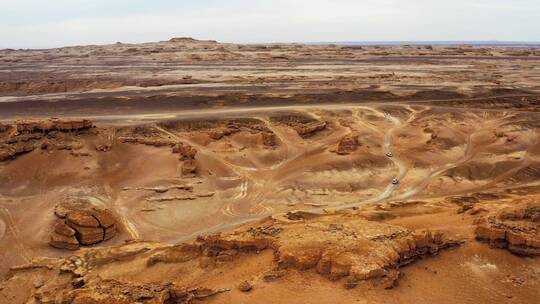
(193, 171)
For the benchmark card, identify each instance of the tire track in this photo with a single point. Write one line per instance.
(15, 232)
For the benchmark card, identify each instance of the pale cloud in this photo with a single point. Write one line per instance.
(28, 23)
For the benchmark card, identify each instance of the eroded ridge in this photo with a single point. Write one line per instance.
(354, 252)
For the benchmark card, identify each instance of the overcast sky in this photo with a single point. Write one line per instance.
(51, 23)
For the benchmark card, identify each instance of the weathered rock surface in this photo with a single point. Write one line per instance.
(309, 129)
(148, 141)
(118, 292)
(245, 286)
(515, 228)
(29, 134)
(64, 242)
(186, 151)
(269, 139)
(347, 145)
(52, 124)
(226, 131)
(336, 246)
(176, 254)
(78, 225)
(103, 147)
(11, 151)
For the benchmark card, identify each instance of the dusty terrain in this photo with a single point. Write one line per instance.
(186, 170)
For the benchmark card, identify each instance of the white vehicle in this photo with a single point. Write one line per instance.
(395, 181)
(389, 154)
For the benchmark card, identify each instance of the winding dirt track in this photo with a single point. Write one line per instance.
(293, 154)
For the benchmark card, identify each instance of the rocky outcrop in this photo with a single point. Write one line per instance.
(515, 228)
(176, 254)
(64, 237)
(309, 129)
(222, 132)
(245, 286)
(76, 226)
(52, 124)
(303, 124)
(269, 139)
(103, 147)
(186, 151)
(47, 134)
(337, 247)
(11, 151)
(3, 128)
(70, 279)
(187, 156)
(148, 141)
(347, 145)
(119, 292)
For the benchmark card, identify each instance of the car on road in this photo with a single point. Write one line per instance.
(389, 154)
(395, 181)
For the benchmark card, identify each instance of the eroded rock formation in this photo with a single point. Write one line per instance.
(81, 224)
(339, 246)
(186, 151)
(309, 129)
(148, 141)
(515, 228)
(269, 139)
(347, 145)
(117, 292)
(304, 125)
(336, 246)
(52, 124)
(29, 134)
(187, 156)
(13, 149)
(222, 132)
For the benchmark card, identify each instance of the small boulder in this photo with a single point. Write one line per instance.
(245, 286)
(103, 147)
(79, 224)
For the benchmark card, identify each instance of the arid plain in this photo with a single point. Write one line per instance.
(194, 171)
